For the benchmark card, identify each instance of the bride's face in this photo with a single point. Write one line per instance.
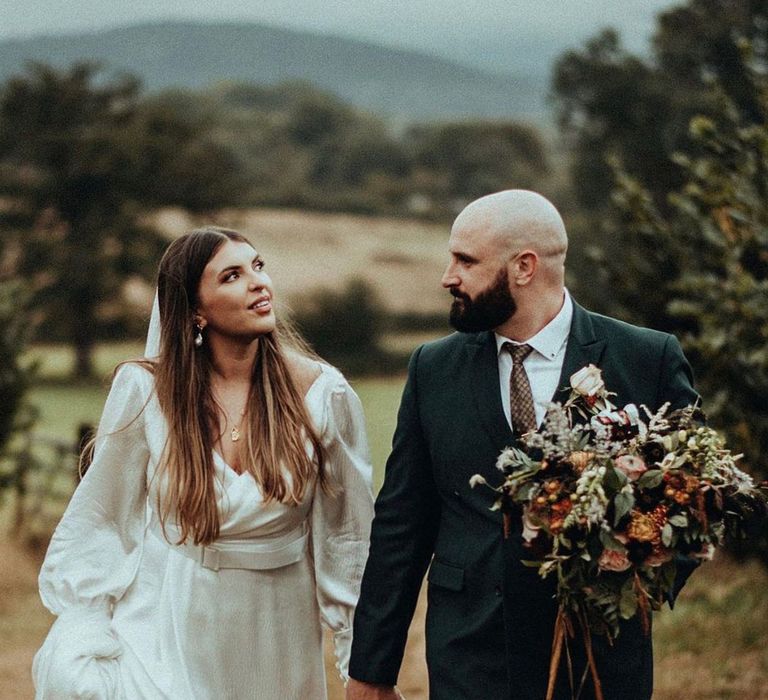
(235, 294)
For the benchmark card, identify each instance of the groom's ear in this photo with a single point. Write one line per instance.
(523, 267)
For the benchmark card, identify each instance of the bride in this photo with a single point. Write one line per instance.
(226, 512)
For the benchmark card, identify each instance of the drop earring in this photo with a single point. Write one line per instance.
(199, 336)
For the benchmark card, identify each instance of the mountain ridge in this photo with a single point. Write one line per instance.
(396, 82)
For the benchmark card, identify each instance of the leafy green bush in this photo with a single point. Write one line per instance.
(345, 328)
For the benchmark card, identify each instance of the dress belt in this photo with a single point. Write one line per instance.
(259, 553)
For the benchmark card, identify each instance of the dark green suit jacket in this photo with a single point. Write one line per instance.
(489, 619)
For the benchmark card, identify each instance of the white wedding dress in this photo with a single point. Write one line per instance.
(139, 618)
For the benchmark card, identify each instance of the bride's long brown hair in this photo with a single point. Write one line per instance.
(277, 426)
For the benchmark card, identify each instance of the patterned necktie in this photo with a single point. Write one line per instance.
(521, 409)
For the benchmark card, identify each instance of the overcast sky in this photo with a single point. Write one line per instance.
(479, 33)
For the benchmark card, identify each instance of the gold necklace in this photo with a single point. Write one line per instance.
(234, 434)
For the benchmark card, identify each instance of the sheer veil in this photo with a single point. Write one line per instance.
(152, 348)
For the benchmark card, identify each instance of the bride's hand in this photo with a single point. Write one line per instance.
(357, 690)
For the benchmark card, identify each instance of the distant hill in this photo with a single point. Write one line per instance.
(399, 83)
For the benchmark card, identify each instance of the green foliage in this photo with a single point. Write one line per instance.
(80, 158)
(345, 327)
(678, 147)
(302, 147)
(15, 375)
(611, 104)
(715, 281)
(466, 160)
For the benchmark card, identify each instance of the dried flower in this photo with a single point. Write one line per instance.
(530, 530)
(580, 460)
(642, 528)
(613, 560)
(477, 479)
(659, 555)
(582, 518)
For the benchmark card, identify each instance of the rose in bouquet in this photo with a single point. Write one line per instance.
(611, 504)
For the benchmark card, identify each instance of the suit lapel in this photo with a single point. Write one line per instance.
(484, 378)
(583, 348)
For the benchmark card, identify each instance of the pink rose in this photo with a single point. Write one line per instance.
(612, 560)
(631, 466)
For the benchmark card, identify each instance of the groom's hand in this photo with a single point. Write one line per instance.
(357, 690)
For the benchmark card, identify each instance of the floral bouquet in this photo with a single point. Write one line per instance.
(610, 505)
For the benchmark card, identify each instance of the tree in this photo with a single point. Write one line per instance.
(343, 323)
(466, 160)
(716, 234)
(15, 376)
(81, 157)
(611, 104)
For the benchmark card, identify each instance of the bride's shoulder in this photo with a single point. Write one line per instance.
(308, 371)
(304, 370)
(135, 373)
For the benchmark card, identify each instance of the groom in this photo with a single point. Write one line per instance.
(490, 619)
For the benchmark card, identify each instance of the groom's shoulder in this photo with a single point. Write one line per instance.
(617, 330)
(442, 349)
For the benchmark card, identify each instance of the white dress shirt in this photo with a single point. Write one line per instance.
(543, 366)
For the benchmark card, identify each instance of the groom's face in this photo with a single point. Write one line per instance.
(487, 310)
(478, 279)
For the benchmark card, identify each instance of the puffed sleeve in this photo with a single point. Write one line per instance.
(95, 551)
(341, 516)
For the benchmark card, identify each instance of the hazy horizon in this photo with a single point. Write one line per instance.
(493, 36)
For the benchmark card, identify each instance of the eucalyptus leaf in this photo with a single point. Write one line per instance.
(610, 542)
(679, 520)
(623, 504)
(612, 480)
(524, 492)
(651, 479)
(627, 603)
(666, 535)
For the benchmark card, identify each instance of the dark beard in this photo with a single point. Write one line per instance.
(488, 310)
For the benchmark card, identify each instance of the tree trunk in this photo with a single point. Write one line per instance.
(82, 335)
(83, 358)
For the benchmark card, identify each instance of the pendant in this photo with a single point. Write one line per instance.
(235, 434)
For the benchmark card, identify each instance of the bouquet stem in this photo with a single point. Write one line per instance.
(590, 656)
(558, 641)
(507, 520)
(557, 651)
(642, 604)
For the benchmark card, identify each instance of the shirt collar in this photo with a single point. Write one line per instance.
(549, 340)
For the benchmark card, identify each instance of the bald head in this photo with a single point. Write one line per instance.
(507, 264)
(516, 220)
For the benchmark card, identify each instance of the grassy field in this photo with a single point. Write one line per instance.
(402, 259)
(713, 646)
(63, 407)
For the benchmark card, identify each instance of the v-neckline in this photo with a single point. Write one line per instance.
(227, 465)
